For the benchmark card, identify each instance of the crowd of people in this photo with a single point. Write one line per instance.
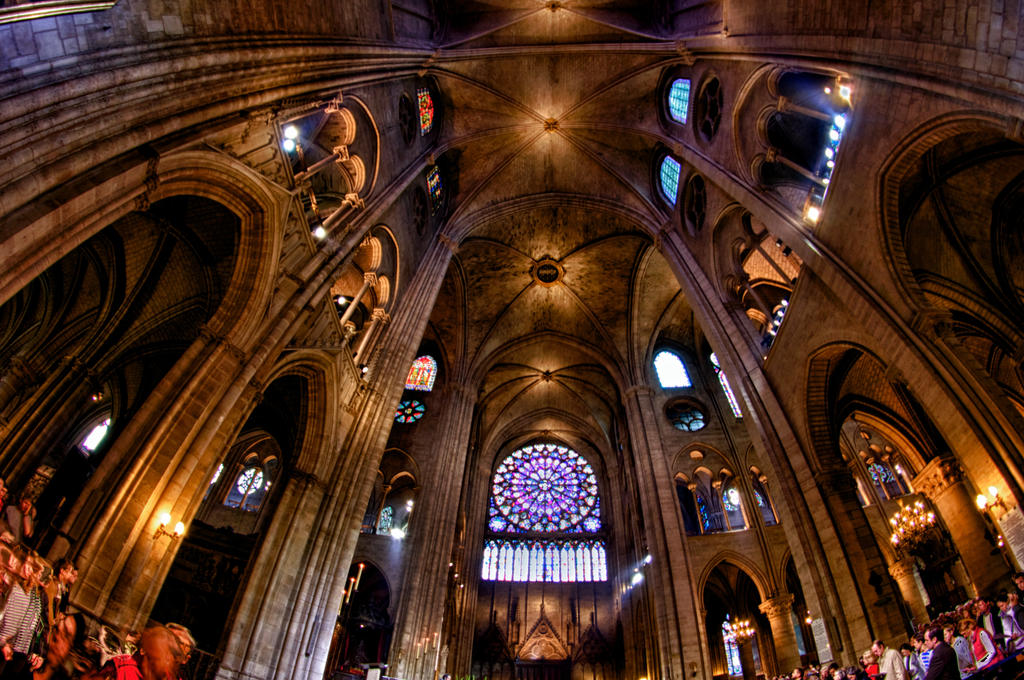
(977, 639)
(43, 638)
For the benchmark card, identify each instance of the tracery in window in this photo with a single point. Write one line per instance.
(670, 370)
(544, 487)
(686, 416)
(548, 489)
(724, 381)
(679, 99)
(669, 175)
(409, 411)
(422, 374)
(250, 486)
(426, 106)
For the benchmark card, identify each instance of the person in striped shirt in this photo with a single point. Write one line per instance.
(23, 622)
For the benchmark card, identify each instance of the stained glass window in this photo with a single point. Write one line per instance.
(434, 189)
(387, 518)
(546, 488)
(249, 489)
(670, 369)
(733, 509)
(679, 99)
(669, 174)
(880, 473)
(422, 374)
(426, 105)
(724, 381)
(732, 650)
(409, 411)
(887, 483)
(705, 516)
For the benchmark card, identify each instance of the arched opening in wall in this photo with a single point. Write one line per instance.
(861, 388)
(803, 619)
(95, 334)
(331, 150)
(211, 568)
(731, 601)
(363, 629)
(800, 129)
(957, 242)
(759, 271)
(762, 499)
(393, 500)
(884, 463)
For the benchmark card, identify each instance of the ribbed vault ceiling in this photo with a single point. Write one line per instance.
(553, 143)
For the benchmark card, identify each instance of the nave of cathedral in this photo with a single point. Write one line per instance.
(518, 339)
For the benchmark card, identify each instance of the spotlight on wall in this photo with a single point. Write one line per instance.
(165, 521)
(397, 534)
(320, 233)
(637, 578)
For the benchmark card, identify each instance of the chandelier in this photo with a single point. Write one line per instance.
(742, 629)
(911, 524)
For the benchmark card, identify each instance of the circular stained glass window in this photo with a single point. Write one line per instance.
(686, 416)
(544, 487)
(249, 480)
(410, 411)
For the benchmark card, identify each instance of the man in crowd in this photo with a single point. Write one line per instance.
(943, 664)
(890, 664)
(1011, 616)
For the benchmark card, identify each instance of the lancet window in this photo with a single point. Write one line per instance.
(422, 374)
(724, 382)
(544, 518)
(670, 369)
(426, 109)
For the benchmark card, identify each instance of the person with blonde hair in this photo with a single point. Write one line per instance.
(982, 647)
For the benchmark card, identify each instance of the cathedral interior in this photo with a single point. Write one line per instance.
(517, 339)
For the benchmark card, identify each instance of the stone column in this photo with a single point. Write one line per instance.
(942, 482)
(672, 609)
(779, 611)
(378, 319)
(903, 573)
(369, 278)
(419, 633)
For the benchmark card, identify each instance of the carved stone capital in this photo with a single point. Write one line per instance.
(380, 315)
(938, 476)
(451, 245)
(370, 278)
(777, 607)
(902, 569)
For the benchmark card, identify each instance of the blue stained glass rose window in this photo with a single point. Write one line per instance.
(545, 487)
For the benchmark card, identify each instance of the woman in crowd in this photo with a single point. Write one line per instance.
(982, 646)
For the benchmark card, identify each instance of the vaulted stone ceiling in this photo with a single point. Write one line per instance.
(555, 295)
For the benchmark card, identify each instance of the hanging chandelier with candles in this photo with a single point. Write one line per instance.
(911, 525)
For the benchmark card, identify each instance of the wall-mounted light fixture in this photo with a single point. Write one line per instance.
(165, 521)
(990, 501)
